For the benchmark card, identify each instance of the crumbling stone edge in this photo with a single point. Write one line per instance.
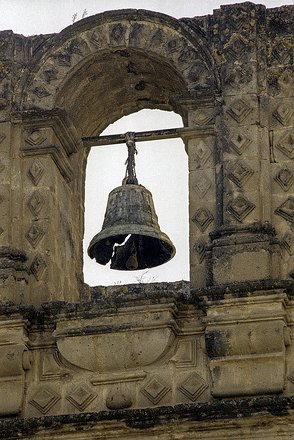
(150, 417)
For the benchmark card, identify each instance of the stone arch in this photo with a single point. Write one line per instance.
(179, 63)
(79, 81)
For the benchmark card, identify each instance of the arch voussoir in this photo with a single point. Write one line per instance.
(165, 38)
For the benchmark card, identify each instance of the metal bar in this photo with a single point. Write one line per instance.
(140, 136)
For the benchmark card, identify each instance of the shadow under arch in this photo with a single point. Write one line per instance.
(114, 84)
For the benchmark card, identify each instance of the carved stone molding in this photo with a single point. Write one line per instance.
(234, 352)
(35, 171)
(286, 145)
(44, 400)
(202, 218)
(239, 172)
(239, 110)
(155, 390)
(239, 142)
(15, 359)
(240, 207)
(36, 203)
(286, 210)
(49, 132)
(38, 267)
(193, 386)
(130, 342)
(283, 113)
(285, 178)
(34, 235)
(80, 397)
(232, 247)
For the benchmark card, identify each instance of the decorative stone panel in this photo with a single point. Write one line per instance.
(245, 339)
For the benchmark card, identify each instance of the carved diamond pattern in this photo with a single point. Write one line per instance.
(35, 138)
(155, 391)
(239, 110)
(38, 267)
(200, 248)
(201, 153)
(286, 145)
(284, 178)
(240, 142)
(44, 400)
(283, 114)
(34, 235)
(80, 398)
(41, 92)
(240, 207)
(286, 210)
(1, 230)
(35, 203)
(203, 117)
(237, 20)
(2, 137)
(238, 49)
(64, 59)
(282, 52)
(193, 387)
(287, 243)
(202, 218)
(36, 171)
(240, 173)
(201, 185)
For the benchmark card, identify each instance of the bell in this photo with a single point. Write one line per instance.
(131, 237)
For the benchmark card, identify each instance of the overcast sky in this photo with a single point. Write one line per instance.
(161, 166)
(30, 17)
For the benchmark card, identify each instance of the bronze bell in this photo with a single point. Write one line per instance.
(131, 237)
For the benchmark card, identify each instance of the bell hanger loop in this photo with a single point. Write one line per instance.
(130, 177)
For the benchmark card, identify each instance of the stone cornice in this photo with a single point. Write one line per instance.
(221, 412)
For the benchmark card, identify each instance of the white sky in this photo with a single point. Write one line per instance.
(29, 17)
(161, 166)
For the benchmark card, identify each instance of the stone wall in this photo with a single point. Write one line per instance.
(211, 358)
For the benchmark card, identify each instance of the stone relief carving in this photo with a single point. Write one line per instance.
(34, 235)
(35, 171)
(202, 218)
(124, 352)
(240, 207)
(193, 386)
(239, 110)
(286, 209)
(44, 400)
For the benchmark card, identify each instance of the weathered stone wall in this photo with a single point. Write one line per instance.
(167, 360)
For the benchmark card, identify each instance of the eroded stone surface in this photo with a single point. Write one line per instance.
(143, 358)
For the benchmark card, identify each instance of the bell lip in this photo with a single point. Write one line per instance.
(130, 229)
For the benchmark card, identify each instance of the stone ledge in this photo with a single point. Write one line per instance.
(148, 418)
(100, 299)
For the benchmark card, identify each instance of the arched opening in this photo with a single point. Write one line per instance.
(162, 167)
(110, 68)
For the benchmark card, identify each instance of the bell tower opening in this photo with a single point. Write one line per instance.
(162, 167)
